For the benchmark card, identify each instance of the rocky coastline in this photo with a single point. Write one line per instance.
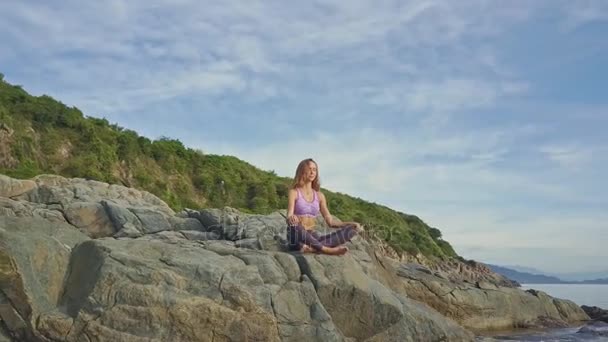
(82, 260)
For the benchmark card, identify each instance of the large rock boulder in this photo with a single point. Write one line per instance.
(51, 189)
(596, 313)
(365, 309)
(10, 187)
(135, 289)
(10, 207)
(266, 232)
(485, 306)
(34, 259)
(132, 289)
(91, 218)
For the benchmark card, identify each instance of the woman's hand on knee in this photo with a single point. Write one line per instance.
(293, 220)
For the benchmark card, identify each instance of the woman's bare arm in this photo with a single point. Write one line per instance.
(324, 210)
(327, 215)
(291, 202)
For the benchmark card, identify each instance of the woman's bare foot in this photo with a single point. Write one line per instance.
(340, 250)
(306, 249)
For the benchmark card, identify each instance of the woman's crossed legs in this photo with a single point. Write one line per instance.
(310, 241)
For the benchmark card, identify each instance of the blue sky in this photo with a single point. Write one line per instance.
(485, 118)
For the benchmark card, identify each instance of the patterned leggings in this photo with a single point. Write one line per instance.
(297, 235)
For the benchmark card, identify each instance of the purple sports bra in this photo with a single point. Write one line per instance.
(305, 208)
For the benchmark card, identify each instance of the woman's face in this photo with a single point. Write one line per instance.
(311, 171)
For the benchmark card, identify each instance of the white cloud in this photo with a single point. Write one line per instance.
(127, 40)
(450, 95)
(568, 156)
(584, 12)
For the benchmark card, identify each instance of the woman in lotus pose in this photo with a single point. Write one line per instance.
(305, 203)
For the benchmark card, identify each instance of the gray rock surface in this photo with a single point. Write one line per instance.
(485, 306)
(4, 334)
(365, 309)
(52, 189)
(199, 236)
(34, 258)
(181, 223)
(91, 218)
(10, 187)
(596, 313)
(87, 261)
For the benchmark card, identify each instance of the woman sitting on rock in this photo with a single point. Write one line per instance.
(305, 203)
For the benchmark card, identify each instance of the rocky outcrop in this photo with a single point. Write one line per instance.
(87, 261)
(596, 313)
(486, 306)
(34, 258)
(470, 271)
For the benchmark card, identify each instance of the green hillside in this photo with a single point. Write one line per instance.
(41, 135)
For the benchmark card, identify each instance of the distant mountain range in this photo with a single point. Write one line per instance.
(527, 269)
(535, 278)
(579, 276)
(571, 276)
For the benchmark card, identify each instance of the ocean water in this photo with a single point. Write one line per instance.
(584, 333)
(581, 294)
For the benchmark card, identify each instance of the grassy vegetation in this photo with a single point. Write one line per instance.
(41, 135)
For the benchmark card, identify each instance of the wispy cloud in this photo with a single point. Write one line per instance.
(584, 12)
(145, 46)
(569, 156)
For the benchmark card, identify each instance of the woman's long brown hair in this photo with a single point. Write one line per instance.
(298, 180)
